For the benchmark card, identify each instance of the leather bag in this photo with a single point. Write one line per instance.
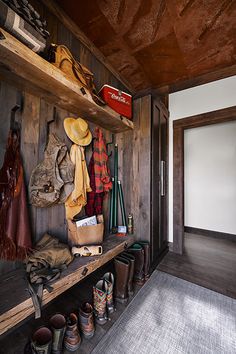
(62, 58)
(15, 233)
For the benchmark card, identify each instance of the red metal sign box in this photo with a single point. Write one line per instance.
(118, 100)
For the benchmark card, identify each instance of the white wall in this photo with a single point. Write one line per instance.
(210, 177)
(200, 99)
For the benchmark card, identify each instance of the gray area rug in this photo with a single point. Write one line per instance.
(171, 315)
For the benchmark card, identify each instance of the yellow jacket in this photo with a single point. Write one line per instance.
(78, 198)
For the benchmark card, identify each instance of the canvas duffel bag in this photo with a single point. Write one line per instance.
(62, 58)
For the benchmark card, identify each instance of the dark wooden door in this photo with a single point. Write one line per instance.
(159, 192)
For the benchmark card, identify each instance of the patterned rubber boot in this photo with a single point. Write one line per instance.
(41, 342)
(86, 320)
(72, 338)
(100, 301)
(109, 278)
(58, 324)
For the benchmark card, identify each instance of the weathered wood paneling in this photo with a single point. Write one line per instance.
(135, 165)
(35, 116)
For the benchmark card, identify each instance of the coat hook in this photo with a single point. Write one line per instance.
(110, 143)
(14, 125)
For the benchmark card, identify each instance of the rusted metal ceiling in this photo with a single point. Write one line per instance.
(157, 43)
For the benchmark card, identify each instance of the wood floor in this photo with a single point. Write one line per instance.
(207, 261)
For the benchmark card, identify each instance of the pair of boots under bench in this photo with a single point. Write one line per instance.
(131, 266)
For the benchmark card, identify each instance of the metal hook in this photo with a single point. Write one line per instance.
(14, 125)
(110, 143)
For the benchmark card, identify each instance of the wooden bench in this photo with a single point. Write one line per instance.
(15, 301)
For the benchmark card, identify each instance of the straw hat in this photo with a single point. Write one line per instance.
(78, 131)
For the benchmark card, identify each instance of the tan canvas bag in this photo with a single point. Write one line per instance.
(86, 235)
(62, 58)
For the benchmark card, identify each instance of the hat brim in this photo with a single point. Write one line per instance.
(79, 141)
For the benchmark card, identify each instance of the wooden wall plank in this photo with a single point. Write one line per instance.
(29, 143)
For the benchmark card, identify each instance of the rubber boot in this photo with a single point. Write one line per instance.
(130, 284)
(100, 301)
(72, 338)
(109, 278)
(122, 266)
(146, 268)
(86, 320)
(41, 342)
(58, 325)
(138, 252)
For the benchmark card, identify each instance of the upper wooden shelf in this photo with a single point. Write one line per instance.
(15, 301)
(30, 72)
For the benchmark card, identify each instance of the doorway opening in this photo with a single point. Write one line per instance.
(179, 127)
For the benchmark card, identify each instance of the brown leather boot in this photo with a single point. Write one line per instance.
(122, 266)
(146, 268)
(100, 301)
(72, 338)
(130, 284)
(58, 324)
(109, 278)
(86, 320)
(138, 252)
(41, 342)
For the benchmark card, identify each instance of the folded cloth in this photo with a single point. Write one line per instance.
(49, 258)
(78, 198)
(102, 174)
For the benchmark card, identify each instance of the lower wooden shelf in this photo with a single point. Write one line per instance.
(15, 301)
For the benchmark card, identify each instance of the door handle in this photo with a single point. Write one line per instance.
(163, 187)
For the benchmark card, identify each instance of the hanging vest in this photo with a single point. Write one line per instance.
(52, 179)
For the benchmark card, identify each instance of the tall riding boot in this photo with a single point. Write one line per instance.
(58, 324)
(72, 338)
(122, 266)
(130, 284)
(41, 342)
(146, 268)
(86, 320)
(138, 252)
(109, 278)
(100, 301)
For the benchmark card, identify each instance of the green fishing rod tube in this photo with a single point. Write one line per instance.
(115, 202)
(111, 206)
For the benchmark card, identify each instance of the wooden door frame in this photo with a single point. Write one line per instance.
(179, 126)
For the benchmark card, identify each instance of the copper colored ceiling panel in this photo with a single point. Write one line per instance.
(162, 61)
(156, 43)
